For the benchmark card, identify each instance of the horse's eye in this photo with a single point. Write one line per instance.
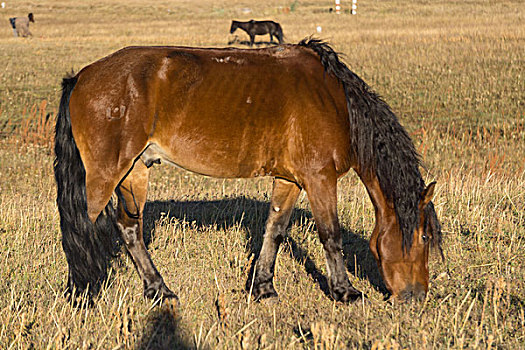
(425, 237)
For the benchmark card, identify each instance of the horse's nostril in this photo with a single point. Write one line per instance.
(406, 296)
(412, 293)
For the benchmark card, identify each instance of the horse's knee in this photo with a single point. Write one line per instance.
(130, 234)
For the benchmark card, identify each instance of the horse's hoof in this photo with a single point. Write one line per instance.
(264, 291)
(346, 295)
(162, 293)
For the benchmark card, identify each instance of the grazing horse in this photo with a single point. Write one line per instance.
(298, 114)
(253, 28)
(21, 25)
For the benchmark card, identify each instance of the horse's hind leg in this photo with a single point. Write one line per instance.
(322, 194)
(131, 199)
(284, 195)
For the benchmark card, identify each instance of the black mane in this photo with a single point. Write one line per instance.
(381, 144)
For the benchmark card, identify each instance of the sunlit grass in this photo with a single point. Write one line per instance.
(452, 71)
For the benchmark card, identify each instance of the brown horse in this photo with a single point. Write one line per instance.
(294, 112)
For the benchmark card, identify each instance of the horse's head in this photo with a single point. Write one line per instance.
(404, 267)
(234, 26)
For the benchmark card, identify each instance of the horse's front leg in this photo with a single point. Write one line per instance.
(131, 199)
(284, 195)
(322, 194)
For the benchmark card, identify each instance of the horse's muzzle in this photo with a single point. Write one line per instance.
(415, 292)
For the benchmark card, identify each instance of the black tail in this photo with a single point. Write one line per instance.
(88, 247)
(381, 144)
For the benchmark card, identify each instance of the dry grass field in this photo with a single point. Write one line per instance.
(454, 73)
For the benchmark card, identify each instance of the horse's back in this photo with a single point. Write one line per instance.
(219, 112)
(266, 27)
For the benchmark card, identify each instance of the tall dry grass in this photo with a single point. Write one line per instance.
(452, 71)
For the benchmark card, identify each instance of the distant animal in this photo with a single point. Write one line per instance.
(298, 114)
(254, 28)
(21, 25)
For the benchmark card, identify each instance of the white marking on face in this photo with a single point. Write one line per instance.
(249, 100)
(277, 209)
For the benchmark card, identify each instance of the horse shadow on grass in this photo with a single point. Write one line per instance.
(251, 215)
(163, 329)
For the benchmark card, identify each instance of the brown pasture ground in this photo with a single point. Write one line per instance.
(453, 71)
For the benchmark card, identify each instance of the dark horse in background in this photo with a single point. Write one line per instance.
(20, 25)
(298, 114)
(254, 28)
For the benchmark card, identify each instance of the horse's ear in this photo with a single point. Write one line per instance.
(427, 194)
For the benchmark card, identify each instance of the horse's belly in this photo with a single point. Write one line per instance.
(214, 163)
